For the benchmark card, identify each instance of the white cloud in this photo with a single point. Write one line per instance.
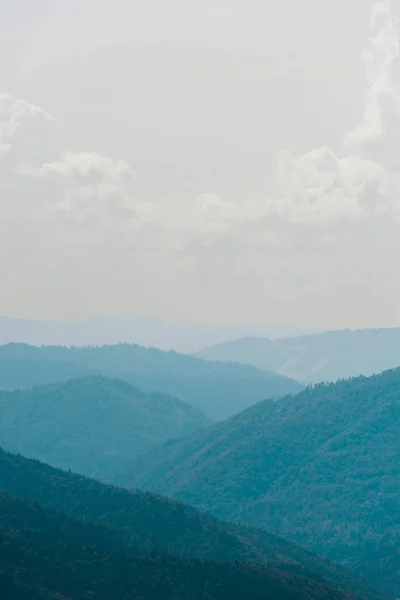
(383, 98)
(355, 183)
(70, 217)
(13, 112)
(319, 186)
(328, 185)
(86, 185)
(77, 185)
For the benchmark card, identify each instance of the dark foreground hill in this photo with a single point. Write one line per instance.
(313, 358)
(35, 568)
(44, 554)
(91, 425)
(217, 389)
(320, 468)
(150, 525)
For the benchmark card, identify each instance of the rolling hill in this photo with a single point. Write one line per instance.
(314, 358)
(217, 389)
(91, 425)
(114, 520)
(320, 468)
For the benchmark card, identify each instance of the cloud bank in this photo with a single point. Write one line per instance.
(76, 226)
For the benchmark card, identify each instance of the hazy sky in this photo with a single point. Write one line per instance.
(200, 160)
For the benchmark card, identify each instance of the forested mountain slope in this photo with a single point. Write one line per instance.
(35, 568)
(320, 468)
(148, 524)
(91, 425)
(314, 358)
(44, 554)
(217, 389)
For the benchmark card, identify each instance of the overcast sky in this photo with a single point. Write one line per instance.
(219, 161)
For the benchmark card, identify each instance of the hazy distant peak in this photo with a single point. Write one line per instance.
(155, 333)
(326, 356)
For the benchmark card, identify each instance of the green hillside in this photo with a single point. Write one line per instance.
(44, 554)
(320, 468)
(150, 524)
(91, 425)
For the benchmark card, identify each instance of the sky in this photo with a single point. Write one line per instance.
(206, 161)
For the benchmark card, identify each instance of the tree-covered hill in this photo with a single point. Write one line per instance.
(320, 468)
(91, 425)
(45, 554)
(32, 567)
(147, 524)
(217, 389)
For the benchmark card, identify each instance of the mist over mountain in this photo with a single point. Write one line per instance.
(182, 337)
(320, 468)
(313, 358)
(92, 425)
(217, 389)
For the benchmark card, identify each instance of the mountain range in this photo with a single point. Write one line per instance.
(182, 337)
(320, 468)
(217, 389)
(325, 356)
(317, 466)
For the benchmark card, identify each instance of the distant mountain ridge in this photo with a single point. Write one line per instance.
(181, 337)
(219, 390)
(45, 506)
(92, 425)
(327, 356)
(320, 468)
